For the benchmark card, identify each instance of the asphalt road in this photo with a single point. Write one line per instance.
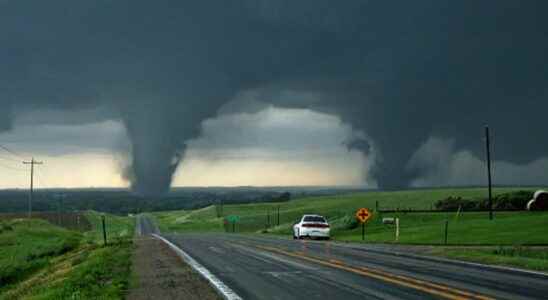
(259, 267)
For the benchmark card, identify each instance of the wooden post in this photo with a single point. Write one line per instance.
(278, 221)
(397, 229)
(446, 230)
(104, 230)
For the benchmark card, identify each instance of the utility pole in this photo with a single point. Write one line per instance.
(60, 197)
(32, 162)
(488, 151)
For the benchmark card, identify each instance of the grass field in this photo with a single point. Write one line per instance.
(26, 246)
(70, 220)
(86, 270)
(117, 227)
(522, 257)
(508, 228)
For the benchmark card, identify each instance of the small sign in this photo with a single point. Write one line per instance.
(389, 221)
(363, 215)
(233, 218)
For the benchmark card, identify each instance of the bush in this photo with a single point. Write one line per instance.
(508, 201)
(5, 227)
(453, 203)
(513, 200)
(347, 222)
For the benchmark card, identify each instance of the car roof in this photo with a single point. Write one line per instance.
(313, 216)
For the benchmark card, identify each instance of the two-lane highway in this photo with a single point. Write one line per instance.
(260, 267)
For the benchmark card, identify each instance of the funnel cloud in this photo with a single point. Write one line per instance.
(402, 74)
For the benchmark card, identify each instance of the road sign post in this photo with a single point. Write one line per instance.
(362, 215)
(233, 219)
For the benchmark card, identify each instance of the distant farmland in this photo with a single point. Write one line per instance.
(510, 228)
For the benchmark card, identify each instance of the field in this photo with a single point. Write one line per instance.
(66, 264)
(118, 228)
(73, 221)
(27, 245)
(508, 228)
(516, 256)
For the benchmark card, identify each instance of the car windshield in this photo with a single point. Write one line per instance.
(316, 219)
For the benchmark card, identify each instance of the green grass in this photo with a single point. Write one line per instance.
(86, 271)
(103, 273)
(26, 246)
(472, 228)
(117, 227)
(508, 228)
(521, 257)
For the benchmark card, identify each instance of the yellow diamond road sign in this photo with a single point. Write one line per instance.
(363, 215)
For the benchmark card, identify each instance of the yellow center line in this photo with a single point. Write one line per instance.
(424, 286)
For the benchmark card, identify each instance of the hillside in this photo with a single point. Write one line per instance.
(39, 260)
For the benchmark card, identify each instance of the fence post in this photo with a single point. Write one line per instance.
(397, 229)
(278, 223)
(446, 230)
(104, 230)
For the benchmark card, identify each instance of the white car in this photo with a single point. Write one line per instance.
(312, 226)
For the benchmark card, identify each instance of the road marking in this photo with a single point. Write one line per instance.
(267, 257)
(284, 274)
(424, 286)
(216, 250)
(226, 292)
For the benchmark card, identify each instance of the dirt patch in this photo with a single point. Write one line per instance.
(163, 275)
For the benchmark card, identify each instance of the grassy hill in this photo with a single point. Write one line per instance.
(26, 246)
(39, 260)
(473, 228)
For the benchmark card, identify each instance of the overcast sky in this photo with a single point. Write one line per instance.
(372, 93)
(272, 146)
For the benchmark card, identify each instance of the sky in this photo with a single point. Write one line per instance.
(273, 147)
(377, 94)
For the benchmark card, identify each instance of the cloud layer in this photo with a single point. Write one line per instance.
(398, 73)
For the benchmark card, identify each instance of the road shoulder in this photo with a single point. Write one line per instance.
(161, 274)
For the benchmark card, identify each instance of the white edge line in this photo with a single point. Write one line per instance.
(226, 292)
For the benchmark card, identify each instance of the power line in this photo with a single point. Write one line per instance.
(12, 168)
(10, 159)
(11, 152)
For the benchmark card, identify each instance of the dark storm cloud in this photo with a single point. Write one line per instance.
(398, 71)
